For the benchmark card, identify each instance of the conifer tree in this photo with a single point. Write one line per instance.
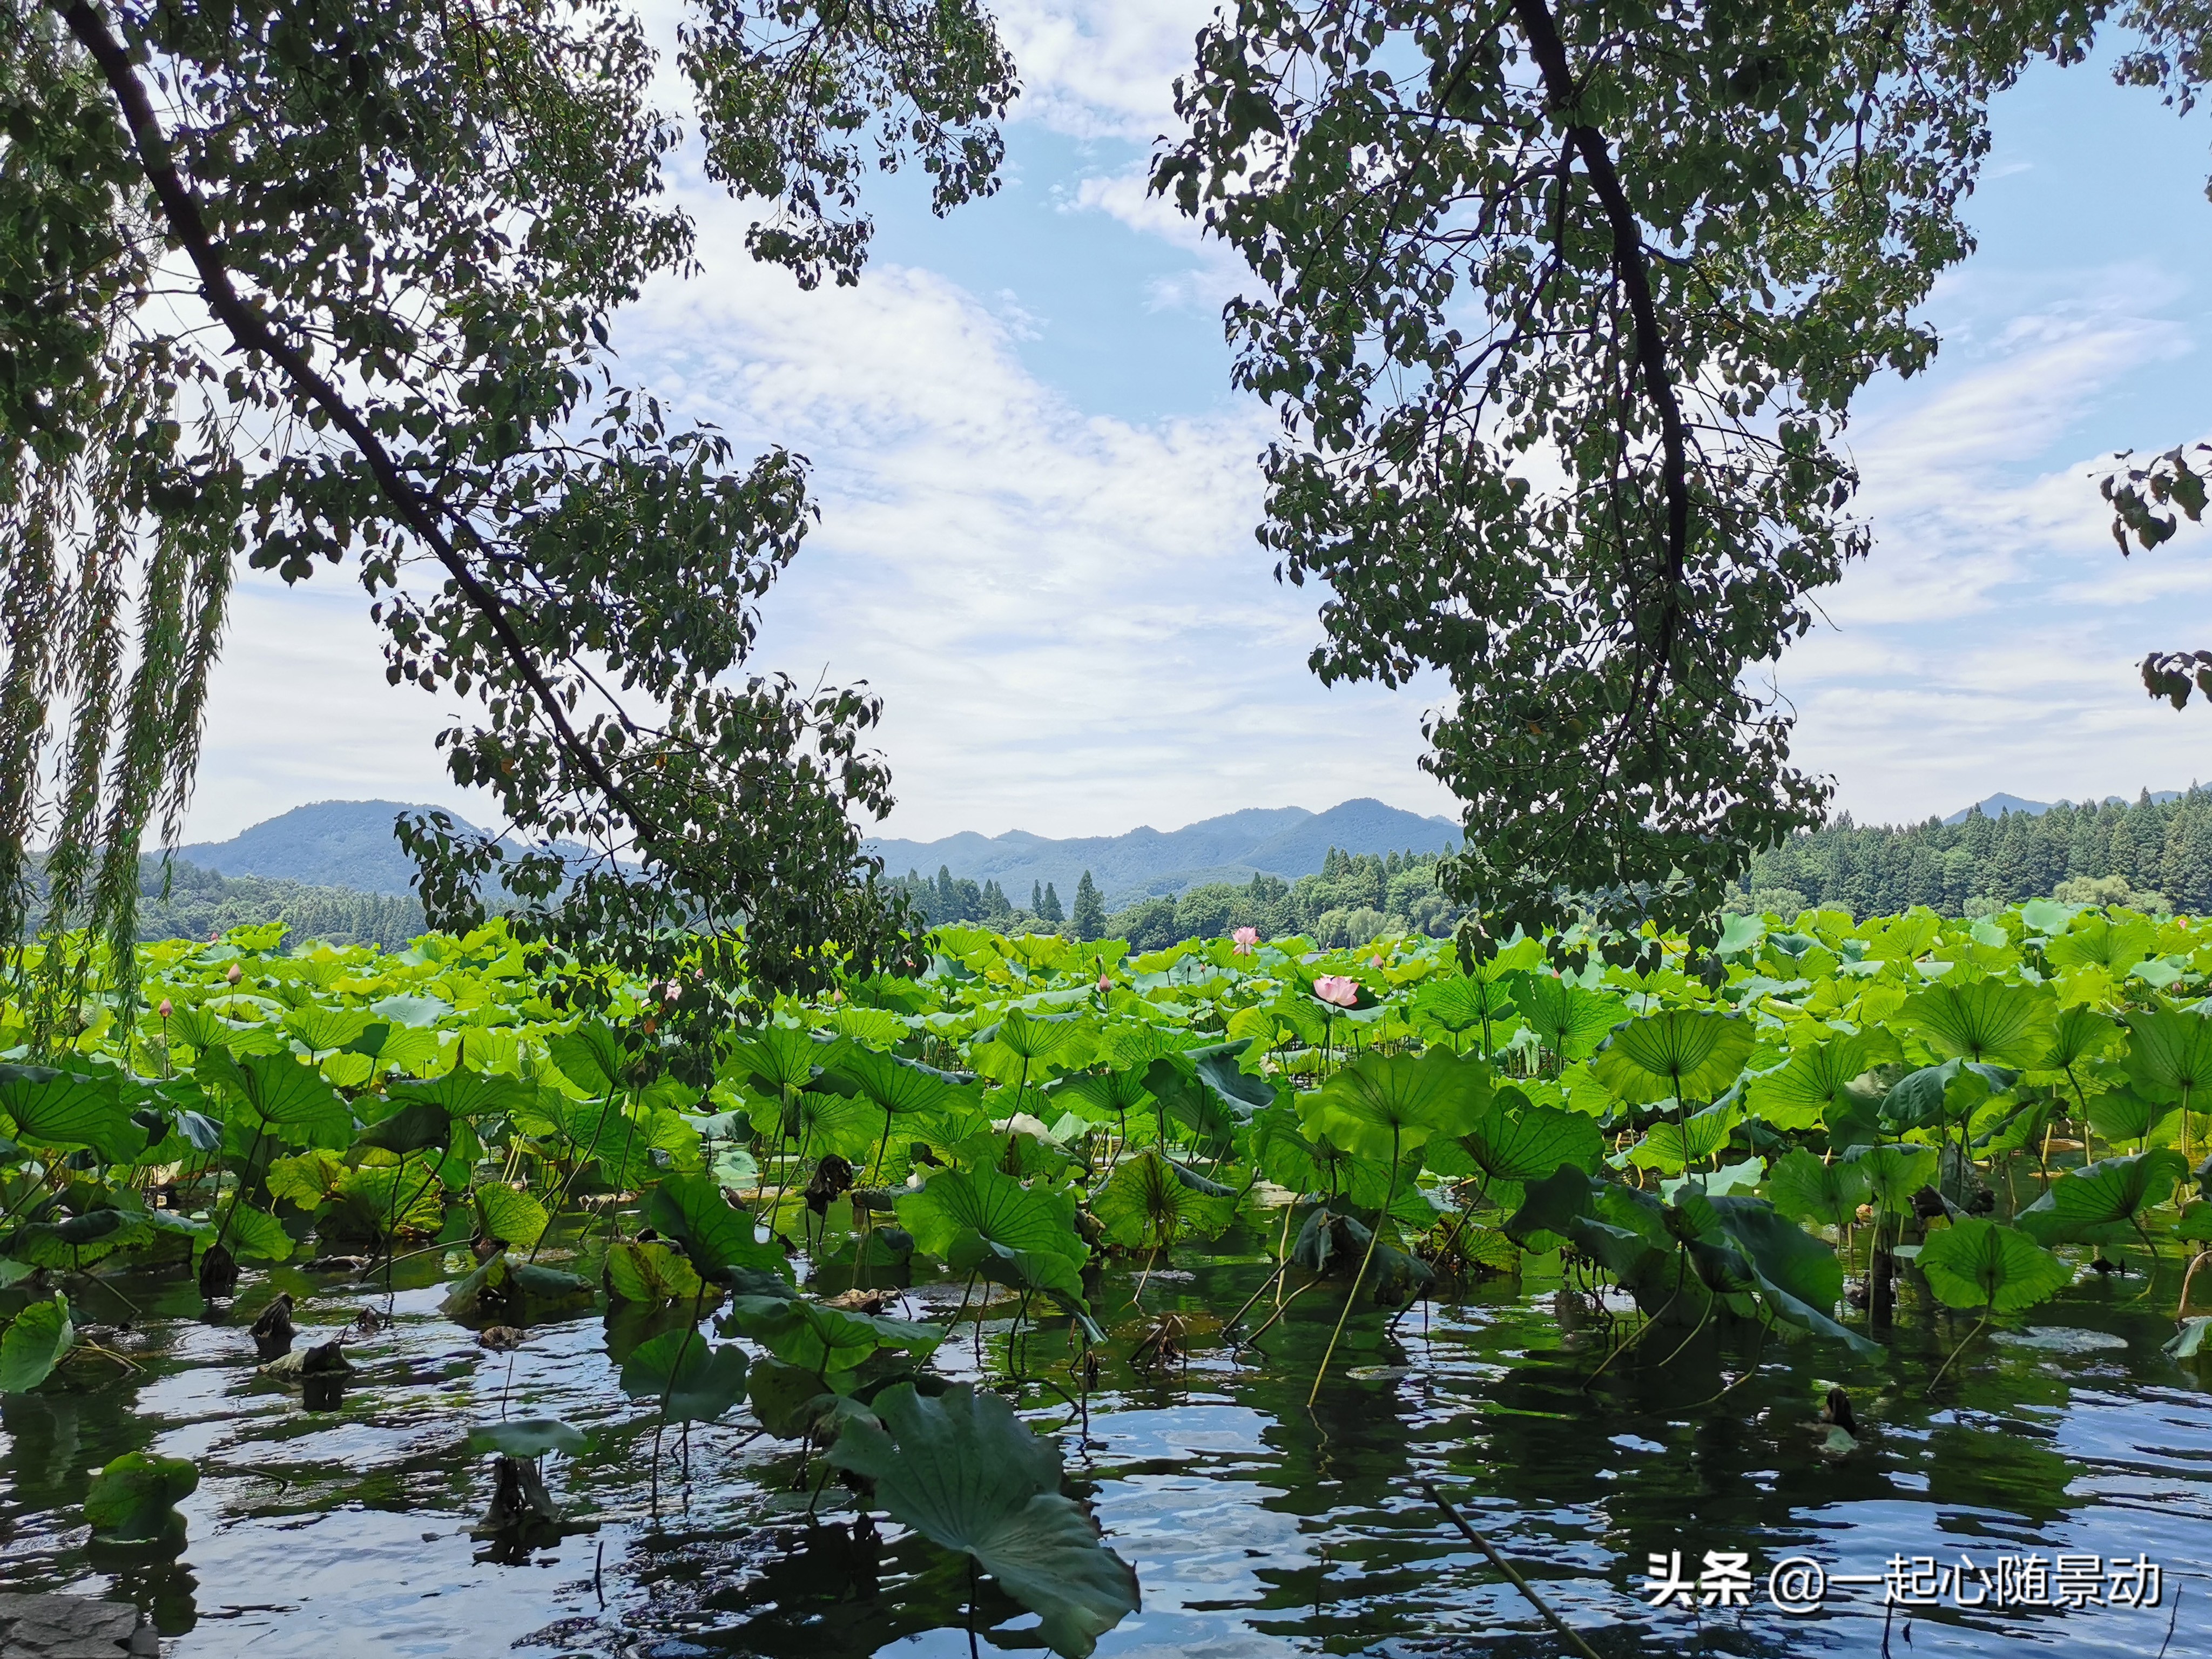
(1089, 920)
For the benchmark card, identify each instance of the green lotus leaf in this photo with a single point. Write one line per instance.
(2109, 1194)
(1805, 1188)
(36, 1340)
(893, 1084)
(2078, 1033)
(695, 1381)
(307, 1178)
(410, 1010)
(2117, 945)
(1797, 1276)
(1673, 1148)
(651, 1273)
(1567, 1019)
(294, 1100)
(322, 1030)
(998, 1209)
(1814, 1082)
(2170, 1053)
(2190, 1341)
(248, 1231)
(1513, 1141)
(967, 1474)
(824, 1340)
(715, 1234)
(464, 1093)
(1465, 1002)
(76, 1242)
(1991, 1022)
(1683, 1054)
(1894, 1173)
(1384, 1105)
(49, 1108)
(416, 1124)
(1985, 1264)
(511, 1216)
(1148, 1203)
(2123, 1114)
(590, 1056)
(1940, 1096)
(529, 1437)
(135, 1497)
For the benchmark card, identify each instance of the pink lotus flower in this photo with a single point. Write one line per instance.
(234, 976)
(165, 1009)
(1338, 989)
(1247, 938)
(670, 991)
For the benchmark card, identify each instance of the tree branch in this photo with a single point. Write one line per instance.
(1633, 265)
(253, 332)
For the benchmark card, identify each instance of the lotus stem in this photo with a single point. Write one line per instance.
(1389, 1195)
(1567, 1631)
(1960, 1349)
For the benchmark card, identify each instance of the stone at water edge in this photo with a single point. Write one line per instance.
(73, 1627)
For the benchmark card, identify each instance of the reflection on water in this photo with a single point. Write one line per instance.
(1257, 1526)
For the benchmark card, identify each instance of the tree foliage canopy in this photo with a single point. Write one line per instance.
(313, 282)
(1563, 309)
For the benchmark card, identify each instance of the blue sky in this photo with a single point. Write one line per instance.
(1038, 492)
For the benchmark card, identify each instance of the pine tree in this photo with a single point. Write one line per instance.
(1037, 899)
(1049, 906)
(1089, 920)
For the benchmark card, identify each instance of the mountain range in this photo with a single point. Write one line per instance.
(2000, 803)
(1288, 841)
(350, 843)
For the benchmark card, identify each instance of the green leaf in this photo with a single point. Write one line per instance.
(417, 1124)
(996, 1208)
(294, 1099)
(891, 1083)
(1684, 1054)
(323, 1030)
(78, 1241)
(1147, 1204)
(1513, 1141)
(35, 1341)
(1990, 1022)
(1567, 1019)
(59, 1109)
(1894, 1173)
(2170, 1053)
(2086, 1202)
(1385, 1105)
(1804, 1188)
(135, 1497)
(1974, 1263)
(826, 1340)
(512, 1218)
(1797, 1276)
(529, 1437)
(718, 1237)
(695, 1380)
(967, 1474)
(2190, 1341)
(651, 1273)
(250, 1232)
(1816, 1081)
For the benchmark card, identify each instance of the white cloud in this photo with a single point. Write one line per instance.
(1102, 68)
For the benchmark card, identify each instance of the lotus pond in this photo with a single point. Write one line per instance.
(1235, 1298)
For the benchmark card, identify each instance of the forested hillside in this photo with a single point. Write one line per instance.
(2152, 855)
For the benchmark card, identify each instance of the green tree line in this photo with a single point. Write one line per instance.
(186, 901)
(1355, 897)
(2152, 855)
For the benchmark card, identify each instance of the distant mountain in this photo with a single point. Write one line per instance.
(1284, 840)
(350, 843)
(1999, 803)
(332, 843)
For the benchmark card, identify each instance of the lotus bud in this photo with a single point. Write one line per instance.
(234, 976)
(1105, 983)
(165, 1009)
